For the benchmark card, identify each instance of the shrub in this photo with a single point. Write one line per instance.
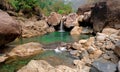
(45, 6)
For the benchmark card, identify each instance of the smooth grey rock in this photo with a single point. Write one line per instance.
(103, 66)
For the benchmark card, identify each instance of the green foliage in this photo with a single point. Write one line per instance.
(45, 6)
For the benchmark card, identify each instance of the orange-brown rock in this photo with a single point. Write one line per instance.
(9, 28)
(54, 19)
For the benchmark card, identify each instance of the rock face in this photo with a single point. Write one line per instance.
(26, 50)
(105, 13)
(76, 30)
(9, 28)
(71, 20)
(117, 48)
(84, 8)
(34, 28)
(54, 19)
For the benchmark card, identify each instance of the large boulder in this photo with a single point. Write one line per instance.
(71, 20)
(43, 66)
(109, 31)
(103, 66)
(25, 50)
(54, 19)
(33, 28)
(76, 30)
(9, 28)
(105, 13)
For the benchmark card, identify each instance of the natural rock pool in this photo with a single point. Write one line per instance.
(53, 37)
(49, 41)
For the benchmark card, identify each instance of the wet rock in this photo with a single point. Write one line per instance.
(60, 49)
(54, 19)
(74, 52)
(71, 20)
(76, 30)
(117, 48)
(101, 66)
(27, 49)
(9, 28)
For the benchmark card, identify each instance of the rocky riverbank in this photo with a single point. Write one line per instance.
(100, 53)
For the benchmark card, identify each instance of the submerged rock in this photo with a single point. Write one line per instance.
(9, 28)
(26, 50)
(101, 66)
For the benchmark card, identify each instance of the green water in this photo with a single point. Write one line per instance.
(52, 38)
(12, 65)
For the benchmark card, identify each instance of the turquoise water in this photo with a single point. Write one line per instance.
(53, 37)
(51, 40)
(15, 63)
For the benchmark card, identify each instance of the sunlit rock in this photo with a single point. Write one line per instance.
(43, 66)
(71, 20)
(27, 49)
(34, 28)
(109, 31)
(54, 19)
(76, 30)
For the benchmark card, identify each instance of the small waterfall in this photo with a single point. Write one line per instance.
(61, 27)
